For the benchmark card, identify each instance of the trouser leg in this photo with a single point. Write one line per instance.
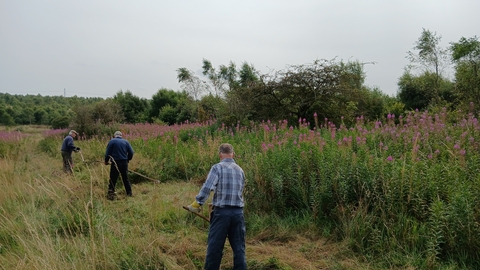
(217, 235)
(236, 237)
(123, 167)
(113, 178)
(67, 162)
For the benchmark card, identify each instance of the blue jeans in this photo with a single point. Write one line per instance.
(226, 223)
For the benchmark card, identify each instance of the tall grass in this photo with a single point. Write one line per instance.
(407, 185)
(401, 193)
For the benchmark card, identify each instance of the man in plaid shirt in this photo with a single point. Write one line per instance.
(227, 180)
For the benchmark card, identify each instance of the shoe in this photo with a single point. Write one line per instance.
(111, 195)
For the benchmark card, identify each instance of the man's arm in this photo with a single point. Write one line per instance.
(208, 186)
(107, 154)
(130, 151)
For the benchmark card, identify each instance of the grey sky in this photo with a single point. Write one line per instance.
(96, 48)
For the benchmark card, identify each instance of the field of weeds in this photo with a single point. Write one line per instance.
(399, 194)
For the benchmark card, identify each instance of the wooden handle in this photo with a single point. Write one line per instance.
(197, 214)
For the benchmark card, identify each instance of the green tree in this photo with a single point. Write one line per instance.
(60, 122)
(5, 118)
(241, 93)
(373, 104)
(415, 91)
(41, 116)
(166, 97)
(301, 90)
(431, 58)
(26, 116)
(211, 107)
(135, 109)
(168, 114)
(187, 110)
(107, 112)
(234, 86)
(83, 120)
(466, 56)
(191, 83)
(217, 79)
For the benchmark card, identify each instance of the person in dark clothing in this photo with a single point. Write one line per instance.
(119, 152)
(67, 148)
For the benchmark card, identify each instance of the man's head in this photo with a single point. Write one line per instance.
(117, 134)
(73, 133)
(225, 150)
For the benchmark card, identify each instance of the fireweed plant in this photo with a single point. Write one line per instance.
(408, 185)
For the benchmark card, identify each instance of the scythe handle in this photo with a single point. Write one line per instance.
(197, 214)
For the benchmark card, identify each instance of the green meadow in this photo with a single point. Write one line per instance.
(402, 193)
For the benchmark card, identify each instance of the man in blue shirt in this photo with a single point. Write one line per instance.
(119, 152)
(227, 180)
(67, 148)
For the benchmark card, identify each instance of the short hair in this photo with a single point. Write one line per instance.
(118, 134)
(225, 148)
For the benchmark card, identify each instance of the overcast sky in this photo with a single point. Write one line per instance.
(94, 48)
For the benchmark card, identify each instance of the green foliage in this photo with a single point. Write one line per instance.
(67, 221)
(40, 110)
(190, 83)
(134, 109)
(430, 55)
(50, 146)
(60, 122)
(211, 107)
(107, 112)
(400, 194)
(466, 49)
(418, 92)
(466, 56)
(272, 263)
(168, 114)
(5, 148)
(162, 98)
(97, 119)
(7, 241)
(5, 118)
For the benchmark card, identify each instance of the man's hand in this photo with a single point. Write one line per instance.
(77, 149)
(194, 207)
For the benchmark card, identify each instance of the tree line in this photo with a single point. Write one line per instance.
(333, 90)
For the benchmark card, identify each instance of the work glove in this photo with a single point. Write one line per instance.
(77, 149)
(194, 207)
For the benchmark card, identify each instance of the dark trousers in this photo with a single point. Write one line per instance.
(226, 223)
(117, 168)
(67, 161)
